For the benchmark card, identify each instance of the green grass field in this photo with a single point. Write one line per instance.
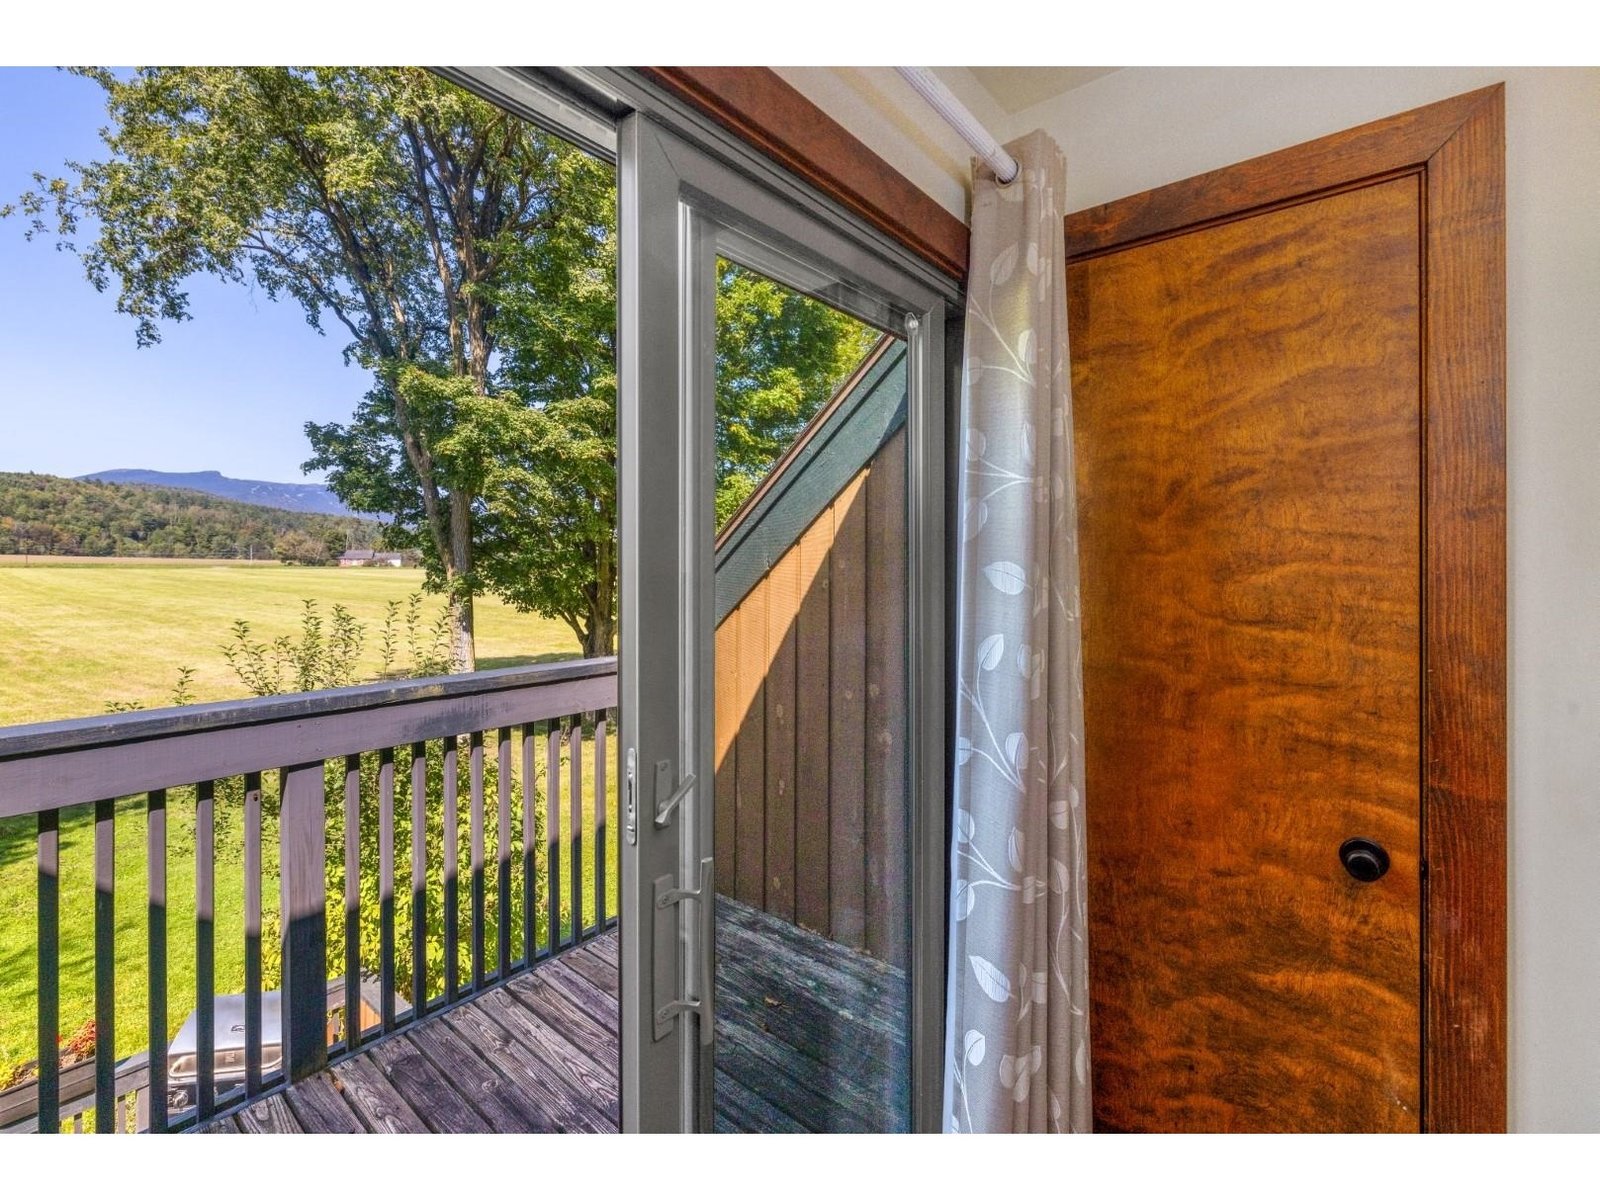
(76, 635)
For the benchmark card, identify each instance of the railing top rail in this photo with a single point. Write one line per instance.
(26, 741)
(44, 767)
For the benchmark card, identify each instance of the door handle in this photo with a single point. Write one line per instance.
(668, 898)
(1366, 861)
(664, 807)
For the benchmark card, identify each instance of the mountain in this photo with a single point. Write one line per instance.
(295, 497)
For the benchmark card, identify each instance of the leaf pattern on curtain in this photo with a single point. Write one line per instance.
(1017, 1044)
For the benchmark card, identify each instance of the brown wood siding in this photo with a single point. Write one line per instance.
(810, 739)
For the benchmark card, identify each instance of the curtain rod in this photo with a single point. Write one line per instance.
(959, 117)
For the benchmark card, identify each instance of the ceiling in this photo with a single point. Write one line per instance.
(1017, 88)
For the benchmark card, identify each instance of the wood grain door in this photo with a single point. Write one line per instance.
(1250, 394)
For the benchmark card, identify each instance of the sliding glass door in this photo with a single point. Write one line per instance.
(781, 450)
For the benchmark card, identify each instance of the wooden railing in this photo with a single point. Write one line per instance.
(277, 761)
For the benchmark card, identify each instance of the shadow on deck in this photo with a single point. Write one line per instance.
(811, 1037)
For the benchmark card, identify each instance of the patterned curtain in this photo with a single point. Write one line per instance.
(1017, 1045)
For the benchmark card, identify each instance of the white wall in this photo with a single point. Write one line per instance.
(1142, 127)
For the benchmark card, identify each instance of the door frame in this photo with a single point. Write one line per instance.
(678, 208)
(1457, 148)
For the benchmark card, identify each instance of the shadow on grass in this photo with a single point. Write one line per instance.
(17, 840)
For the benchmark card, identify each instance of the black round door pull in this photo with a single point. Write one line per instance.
(1366, 861)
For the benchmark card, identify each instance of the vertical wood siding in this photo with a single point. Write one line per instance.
(810, 739)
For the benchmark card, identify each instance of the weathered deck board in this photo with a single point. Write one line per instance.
(377, 1101)
(596, 968)
(741, 1110)
(507, 1108)
(581, 992)
(598, 1078)
(319, 1105)
(567, 1105)
(439, 1106)
(811, 1036)
(270, 1114)
(593, 1036)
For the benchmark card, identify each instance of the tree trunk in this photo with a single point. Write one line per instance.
(599, 633)
(600, 640)
(463, 648)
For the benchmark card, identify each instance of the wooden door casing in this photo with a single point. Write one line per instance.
(1289, 403)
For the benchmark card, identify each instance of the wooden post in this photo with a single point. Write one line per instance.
(305, 921)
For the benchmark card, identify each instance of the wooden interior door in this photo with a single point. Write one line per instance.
(1252, 387)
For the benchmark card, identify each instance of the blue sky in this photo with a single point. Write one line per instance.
(229, 390)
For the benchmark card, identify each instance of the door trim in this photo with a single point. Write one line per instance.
(1457, 146)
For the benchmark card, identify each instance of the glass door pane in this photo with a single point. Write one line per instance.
(811, 807)
(781, 516)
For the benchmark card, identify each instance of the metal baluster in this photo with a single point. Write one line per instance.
(502, 847)
(452, 870)
(419, 879)
(529, 880)
(575, 826)
(475, 747)
(600, 831)
(49, 956)
(156, 951)
(352, 902)
(252, 933)
(105, 953)
(552, 828)
(386, 886)
(205, 858)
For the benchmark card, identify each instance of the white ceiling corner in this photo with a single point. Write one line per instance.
(1017, 88)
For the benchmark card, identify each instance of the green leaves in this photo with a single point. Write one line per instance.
(780, 356)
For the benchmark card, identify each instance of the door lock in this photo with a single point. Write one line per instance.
(1366, 861)
(630, 798)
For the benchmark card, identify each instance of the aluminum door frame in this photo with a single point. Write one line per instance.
(678, 207)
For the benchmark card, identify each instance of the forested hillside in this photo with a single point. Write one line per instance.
(45, 514)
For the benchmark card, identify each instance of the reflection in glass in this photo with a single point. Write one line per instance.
(811, 806)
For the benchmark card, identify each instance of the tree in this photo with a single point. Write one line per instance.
(469, 260)
(386, 202)
(780, 356)
(301, 549)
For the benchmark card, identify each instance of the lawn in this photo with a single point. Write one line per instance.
(73, 636)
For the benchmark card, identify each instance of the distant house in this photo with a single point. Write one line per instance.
(372, 558)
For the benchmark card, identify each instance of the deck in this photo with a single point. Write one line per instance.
(811, 1037)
